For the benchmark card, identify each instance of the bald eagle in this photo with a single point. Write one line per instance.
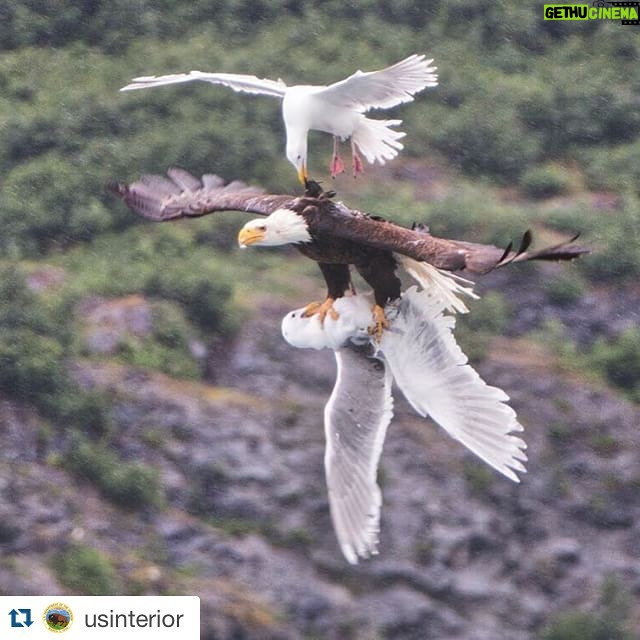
(336, 109)
(335, 236)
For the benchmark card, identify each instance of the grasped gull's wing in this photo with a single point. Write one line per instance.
(237, 82)
(356, 419)
(435, 377)
(384, 88)
(183, 195)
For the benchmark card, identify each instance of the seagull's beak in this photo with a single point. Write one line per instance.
(302, 173)
(249, 236)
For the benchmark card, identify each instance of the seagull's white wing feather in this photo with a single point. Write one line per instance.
(384, 88)
(446, 286)
(435, 377)
(356, 419)
(237, 82)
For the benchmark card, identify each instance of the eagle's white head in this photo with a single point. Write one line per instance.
(283, 226)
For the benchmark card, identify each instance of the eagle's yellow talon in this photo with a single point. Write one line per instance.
(380, 323)
(321, 309)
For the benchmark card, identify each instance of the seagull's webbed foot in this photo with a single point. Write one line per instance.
(380, 323)
(358, 166)
(337, 166)
(322, 309)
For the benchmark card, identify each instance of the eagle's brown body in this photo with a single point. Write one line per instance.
(376, 266)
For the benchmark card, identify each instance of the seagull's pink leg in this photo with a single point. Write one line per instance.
(337, 166)
(358, 166)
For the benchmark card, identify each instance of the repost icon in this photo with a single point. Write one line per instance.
(20, 618)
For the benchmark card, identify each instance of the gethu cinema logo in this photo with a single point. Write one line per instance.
(625, 11)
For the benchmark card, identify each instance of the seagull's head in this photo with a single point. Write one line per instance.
(283, 226)
(297, 155)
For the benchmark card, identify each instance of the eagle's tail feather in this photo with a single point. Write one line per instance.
(376, 141)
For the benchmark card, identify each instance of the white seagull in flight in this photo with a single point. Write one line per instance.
(337, 109)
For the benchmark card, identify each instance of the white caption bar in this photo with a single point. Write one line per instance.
(90, 617)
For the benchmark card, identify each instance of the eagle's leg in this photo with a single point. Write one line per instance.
(358, 166)
(337, 166)
(378, 269)
(380, 323)
(338, 279)
(321, 309)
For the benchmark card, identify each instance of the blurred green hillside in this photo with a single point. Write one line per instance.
(521, 101)
(530, 120)
(534, 124)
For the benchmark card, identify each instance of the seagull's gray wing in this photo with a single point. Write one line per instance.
(356, 419)
(237, 82)
(384, 88)
(434, 375)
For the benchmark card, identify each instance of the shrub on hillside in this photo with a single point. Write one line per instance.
(129, 484)
(619, 360)
(545, 181)
(85, 570)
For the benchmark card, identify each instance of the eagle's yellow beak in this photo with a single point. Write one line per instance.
(250, 236)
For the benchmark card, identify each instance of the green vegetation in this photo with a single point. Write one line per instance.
(130, 484)
(585, 626)
(167, 348)
(615, 361)
(86, 571)
(565, 288)
(488, 316)
(545, 181)
(610, 620)
(619, 361)
(35, 343)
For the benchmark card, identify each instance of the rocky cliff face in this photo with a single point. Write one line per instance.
(244, 523)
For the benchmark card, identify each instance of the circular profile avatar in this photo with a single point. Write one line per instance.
(57, 617)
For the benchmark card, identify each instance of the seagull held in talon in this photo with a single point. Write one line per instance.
(337, 109)
(419, 353)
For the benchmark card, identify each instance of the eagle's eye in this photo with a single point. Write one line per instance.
(262, 227)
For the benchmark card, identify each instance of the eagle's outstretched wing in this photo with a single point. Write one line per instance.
(335, 219)
(183, 195)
